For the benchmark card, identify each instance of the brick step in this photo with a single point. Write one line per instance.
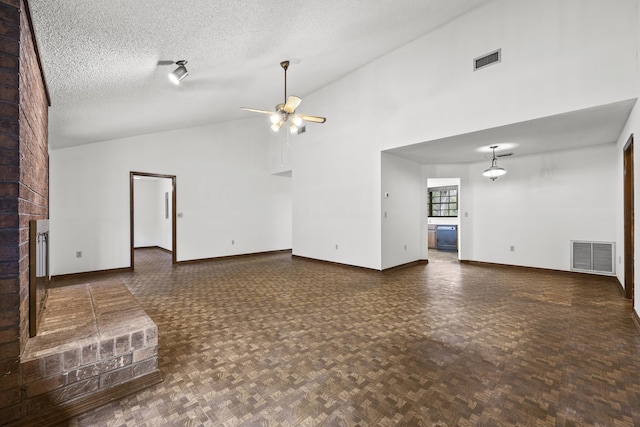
(93, 337)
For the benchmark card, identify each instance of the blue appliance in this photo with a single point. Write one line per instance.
(447, 238)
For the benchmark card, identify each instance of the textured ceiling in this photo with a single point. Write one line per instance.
(101, 57)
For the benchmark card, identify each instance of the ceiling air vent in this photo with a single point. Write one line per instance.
(488, 59)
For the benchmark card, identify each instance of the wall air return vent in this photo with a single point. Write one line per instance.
(593, 257)
(488, 59)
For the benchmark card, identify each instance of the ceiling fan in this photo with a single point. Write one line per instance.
(286, 112)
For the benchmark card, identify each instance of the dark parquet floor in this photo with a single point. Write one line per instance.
(271, 340)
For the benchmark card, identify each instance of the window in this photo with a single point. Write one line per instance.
(443, 201)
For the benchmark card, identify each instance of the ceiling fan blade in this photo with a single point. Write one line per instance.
(314, 119)
(292, 104)
(254, 110)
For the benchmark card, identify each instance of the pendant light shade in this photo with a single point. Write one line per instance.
(179, 73)
(494, 171)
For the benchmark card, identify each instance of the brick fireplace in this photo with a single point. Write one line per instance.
(24, 188)
(45, 379)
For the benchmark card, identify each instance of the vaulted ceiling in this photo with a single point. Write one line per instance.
(101, 58)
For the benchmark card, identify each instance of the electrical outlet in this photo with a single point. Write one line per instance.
(78, 254)
(336, 246)
(512, 248)
(405, 247)
(233, 242)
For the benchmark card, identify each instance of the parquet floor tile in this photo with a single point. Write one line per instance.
(271, 340)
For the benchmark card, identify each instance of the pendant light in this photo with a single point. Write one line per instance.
(494, 171)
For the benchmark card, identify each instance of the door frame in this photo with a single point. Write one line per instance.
(174, 197)
(629, 217)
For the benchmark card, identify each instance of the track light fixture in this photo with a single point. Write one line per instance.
(494, 171)
(179, 73)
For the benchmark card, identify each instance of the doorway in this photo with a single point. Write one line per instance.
(628, 220)
(164, 206)
(443, 220)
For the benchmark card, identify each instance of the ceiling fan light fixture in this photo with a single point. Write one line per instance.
(297, 120)
(275, 118)
(276, 126)
(494, 171)
(177, 75)
(293, 128)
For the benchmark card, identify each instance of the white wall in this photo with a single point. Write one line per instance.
(336, 178)
(632, 127)
(280, 145)
(146, 205)
(165, 229)
(541, 204)
(224, 191)
(401, 211)
(152, 226)
(557, 57)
